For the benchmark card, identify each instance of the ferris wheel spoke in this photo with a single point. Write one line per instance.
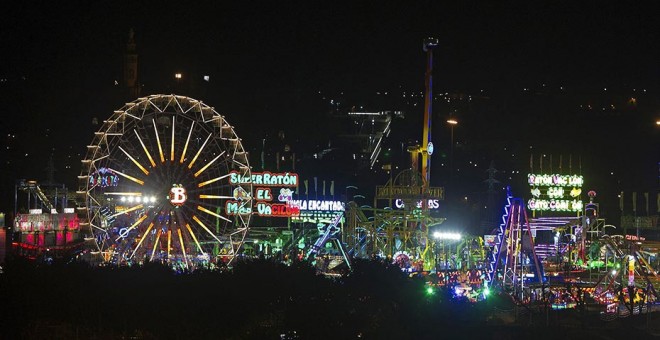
(151, 160)
(146, 172)
(169, 243)
(142, 238)
(194, 238)
(205, 228)
(185, 147)
(209, 164)
(241, 165)
(139, 206)
(183, 247)
(138, 181)
(204, 196)
(200, 208)
(199, 152)
(116, 193)
(160, 148)
(172, 145)
(140, 220)
(153, 251)
(199, 185)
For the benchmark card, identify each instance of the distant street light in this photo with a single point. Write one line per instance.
(177, 75)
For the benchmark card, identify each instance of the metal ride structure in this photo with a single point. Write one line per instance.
(514, 257)
(385, 231)
(155, 181)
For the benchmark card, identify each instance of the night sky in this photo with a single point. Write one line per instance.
(532, 68)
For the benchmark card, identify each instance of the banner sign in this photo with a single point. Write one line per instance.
(398, 191)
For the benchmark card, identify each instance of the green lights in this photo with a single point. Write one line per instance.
(430, 291)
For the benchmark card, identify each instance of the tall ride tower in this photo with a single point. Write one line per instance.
(427, 145)
(131, 67)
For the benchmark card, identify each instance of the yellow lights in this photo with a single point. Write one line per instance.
(209, 164)
(205, 228)
(160, 148)
(139, 206)
(151, 160)
(153, 252)
(142, 238)
(194, 238)
(169, 243)
(185, 148)
(178, 76)
(200, 208)
(146, 172)
(144, 217)
(183, 247)
(198, 152)
(202, 196)
(138, 181)
(172, 147)
(211, 181)
(452, 121)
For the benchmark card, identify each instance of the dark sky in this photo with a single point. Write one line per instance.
(267, 60)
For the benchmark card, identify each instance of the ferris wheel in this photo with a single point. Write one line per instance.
(156, 185)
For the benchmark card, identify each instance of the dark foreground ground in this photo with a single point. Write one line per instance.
(265, 300)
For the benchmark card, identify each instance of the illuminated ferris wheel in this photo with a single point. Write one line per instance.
(156, 185)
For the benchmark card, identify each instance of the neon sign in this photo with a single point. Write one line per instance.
(263, 194)
(178, 196)
(554, 205)
(555, 180)
(431, 204)
(277, 210)
(315, 205)
(104, 178)
(265, 178)
(551, 192)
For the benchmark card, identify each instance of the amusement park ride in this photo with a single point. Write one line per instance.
(166, 179)
(613, 270)
(155, 185)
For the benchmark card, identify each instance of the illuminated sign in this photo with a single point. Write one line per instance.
(431, 204)
(103, 178)
(265, 178)
(277, 209)
(635, 238)
(35, 211)
(237, 208)
(263, 194)
(554, 205)
(552, 193)
(398, 191)
(316, 205)
(555, 180)
(178, 196)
